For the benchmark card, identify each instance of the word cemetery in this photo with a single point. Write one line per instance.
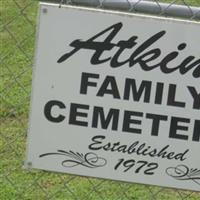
(102, 119)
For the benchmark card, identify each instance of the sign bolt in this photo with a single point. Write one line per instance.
(44, 10)
(29, 164)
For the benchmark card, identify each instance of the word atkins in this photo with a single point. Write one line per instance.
(140, 56)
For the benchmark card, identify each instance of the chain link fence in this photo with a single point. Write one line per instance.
(17, 36)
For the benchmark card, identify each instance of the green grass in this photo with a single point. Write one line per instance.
(17, 31)
(187, 2)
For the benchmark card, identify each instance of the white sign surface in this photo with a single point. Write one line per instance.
(116, 96)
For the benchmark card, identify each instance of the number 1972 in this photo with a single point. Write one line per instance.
(139, 166)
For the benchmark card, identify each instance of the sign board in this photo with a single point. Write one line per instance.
(116, 96)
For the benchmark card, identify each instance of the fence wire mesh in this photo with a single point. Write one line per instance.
(17, 36)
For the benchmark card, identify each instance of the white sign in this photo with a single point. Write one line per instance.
(116, 96)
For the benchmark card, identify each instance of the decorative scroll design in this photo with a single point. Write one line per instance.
(90, 160)
(184, 173)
